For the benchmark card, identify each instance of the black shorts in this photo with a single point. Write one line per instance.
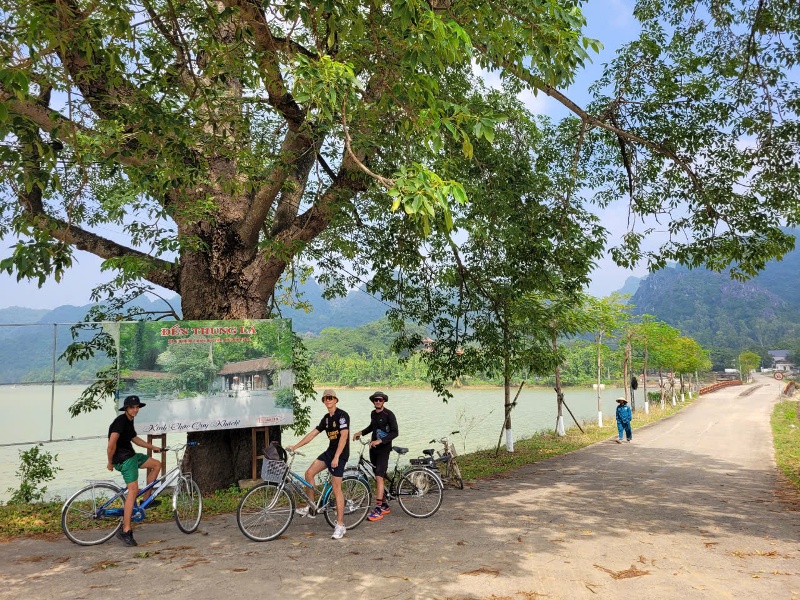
(327, 457)
(379, 456)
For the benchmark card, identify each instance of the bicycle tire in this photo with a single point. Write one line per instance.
(187, 505)
(80, 520)
(265, 512)
(357, 502)
(455, 475)
(420, 493)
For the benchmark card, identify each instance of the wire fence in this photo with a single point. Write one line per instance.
(35, 377)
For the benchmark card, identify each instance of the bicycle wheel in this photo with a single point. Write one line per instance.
(455, 475)
(265, 512)
(93, 514)
(420, 493)
(187, 504)
(357, 502)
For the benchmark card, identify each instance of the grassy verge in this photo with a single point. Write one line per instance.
(546, 444)
(44, 519)
(786, 438)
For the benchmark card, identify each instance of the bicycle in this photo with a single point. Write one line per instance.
(446, 464)
(266, 511)
(417, 488)
(93, 514)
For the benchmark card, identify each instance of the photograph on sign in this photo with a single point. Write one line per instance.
(207, 375)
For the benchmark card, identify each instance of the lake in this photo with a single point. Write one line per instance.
(476, 413)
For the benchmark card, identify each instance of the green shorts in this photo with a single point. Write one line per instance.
(130, 467)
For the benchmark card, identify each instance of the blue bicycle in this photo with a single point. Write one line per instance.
(93, 514)
(266, 511)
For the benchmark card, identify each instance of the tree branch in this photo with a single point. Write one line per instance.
(58, 126)
(269, 47)
(658, 148)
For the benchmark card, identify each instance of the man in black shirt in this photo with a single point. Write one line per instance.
(121, 435)
(383, 425)
(336, 423)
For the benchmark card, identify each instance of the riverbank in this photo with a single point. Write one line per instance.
(20, 520)
(43, 519)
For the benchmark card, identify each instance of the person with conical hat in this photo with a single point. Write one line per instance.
(624, 417)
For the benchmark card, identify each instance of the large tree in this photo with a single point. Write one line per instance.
(227, 141)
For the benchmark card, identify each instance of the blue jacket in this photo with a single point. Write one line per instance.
(624, 414)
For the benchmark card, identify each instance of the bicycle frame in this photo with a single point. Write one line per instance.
(157, 487)
(298, 485)
(365, 468)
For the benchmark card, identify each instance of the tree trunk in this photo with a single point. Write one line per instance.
(507, 405)
(644, 380)
(599, 406)
(224, 279)
(560, 431)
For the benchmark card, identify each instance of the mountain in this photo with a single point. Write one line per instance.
(720, 313)
(354, 310)
(630, 286)
(26, 348)
(19, 314)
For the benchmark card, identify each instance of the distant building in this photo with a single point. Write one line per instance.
(255, 374)
(780, 360)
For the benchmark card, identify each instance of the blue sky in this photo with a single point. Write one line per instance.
(610, 21)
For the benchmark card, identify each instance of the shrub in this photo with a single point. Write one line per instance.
(35, 467)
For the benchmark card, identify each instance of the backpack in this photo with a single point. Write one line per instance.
(275, 452)
(273, 468)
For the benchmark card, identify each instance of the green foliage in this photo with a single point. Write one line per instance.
(786, 438)
(35, 468)
(723, 315)
(748, 361)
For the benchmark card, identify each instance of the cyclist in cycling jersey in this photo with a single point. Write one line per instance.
(383, 425)
(336, 423)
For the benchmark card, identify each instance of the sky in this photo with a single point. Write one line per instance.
(610, 21)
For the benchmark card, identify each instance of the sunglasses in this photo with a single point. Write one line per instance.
(378, 400)
(329, 398)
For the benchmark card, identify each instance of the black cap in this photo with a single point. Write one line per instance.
(131, 401)
(379, 395)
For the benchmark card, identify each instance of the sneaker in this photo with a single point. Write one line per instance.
(305, 512)
(339, 531)
(376, 514)
(385, 509)
(619, 441)
(629, 441)
(127, 537)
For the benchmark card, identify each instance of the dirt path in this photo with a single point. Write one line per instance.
(693, 508)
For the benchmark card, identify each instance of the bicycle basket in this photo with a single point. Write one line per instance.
(273, 470)
(423, 462)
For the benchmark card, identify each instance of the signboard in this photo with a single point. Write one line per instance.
(207, 375)
(778, 375)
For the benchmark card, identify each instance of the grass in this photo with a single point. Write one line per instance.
(44, 519)
(786, 438)
(547, 444)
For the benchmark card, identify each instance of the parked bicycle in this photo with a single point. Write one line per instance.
(266, 511)
(417, 488)
(93, 514)
(446, 462)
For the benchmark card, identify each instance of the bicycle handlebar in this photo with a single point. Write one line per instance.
(442, 440)
(179, 447)
(293, 452)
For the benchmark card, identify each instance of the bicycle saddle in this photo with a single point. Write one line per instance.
(428, 452)
(399, 450)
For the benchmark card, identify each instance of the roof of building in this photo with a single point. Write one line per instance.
(254, 365)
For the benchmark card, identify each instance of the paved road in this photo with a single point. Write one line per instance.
(693, 508)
